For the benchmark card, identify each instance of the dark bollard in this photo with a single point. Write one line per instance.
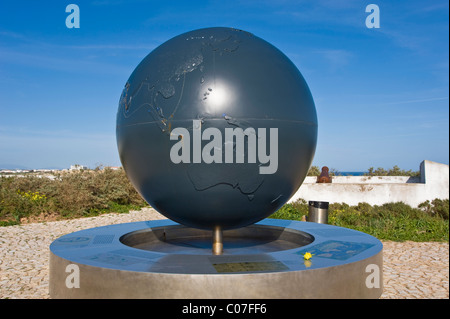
(318, 212)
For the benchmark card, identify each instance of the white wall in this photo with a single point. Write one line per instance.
(377, 190)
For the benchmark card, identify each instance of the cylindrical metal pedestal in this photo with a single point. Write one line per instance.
(162, 259)
(318, 212)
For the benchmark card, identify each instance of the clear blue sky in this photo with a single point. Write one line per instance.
(382, 95)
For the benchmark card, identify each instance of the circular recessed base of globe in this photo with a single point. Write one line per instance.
(178, 239)
(163, 259)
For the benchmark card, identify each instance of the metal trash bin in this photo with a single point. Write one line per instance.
(318, 212)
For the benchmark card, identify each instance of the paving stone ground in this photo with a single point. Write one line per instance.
(410, 270)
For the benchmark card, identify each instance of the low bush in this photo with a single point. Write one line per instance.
(68, 195)
(395, 171)
(391, 221)
(92, 192)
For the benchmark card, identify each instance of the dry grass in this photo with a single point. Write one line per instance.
(68, 195)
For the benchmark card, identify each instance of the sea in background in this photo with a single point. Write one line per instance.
(350, 173)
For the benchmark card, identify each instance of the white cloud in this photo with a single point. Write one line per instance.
(418, 100)
(336, 58)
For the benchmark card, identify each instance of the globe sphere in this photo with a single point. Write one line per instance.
(216, 128)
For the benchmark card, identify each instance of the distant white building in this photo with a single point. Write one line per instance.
(77, 167)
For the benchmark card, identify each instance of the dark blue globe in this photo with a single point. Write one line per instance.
(216, 127)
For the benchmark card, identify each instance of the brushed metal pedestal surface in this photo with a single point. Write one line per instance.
(162, 259)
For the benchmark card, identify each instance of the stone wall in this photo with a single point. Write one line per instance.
(377, 190)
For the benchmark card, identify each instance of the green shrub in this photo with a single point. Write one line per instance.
(391, 221)
(313, 171)
(395, 171)
(72, 194)
(287, 212)
(316, 171)
(437, 208)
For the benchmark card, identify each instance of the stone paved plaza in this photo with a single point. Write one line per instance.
(411, 270)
